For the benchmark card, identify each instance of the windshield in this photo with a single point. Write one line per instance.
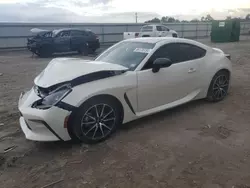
(127, 54)
(55, 32)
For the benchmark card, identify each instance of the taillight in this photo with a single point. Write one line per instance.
(136, 34)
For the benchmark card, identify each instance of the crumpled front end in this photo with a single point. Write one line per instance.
(42, 123)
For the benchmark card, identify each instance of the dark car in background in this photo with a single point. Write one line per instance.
(44, 43)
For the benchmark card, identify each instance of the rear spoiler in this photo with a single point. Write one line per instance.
(220, 51)
(228, 56)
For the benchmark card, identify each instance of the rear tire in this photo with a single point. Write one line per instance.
(95, 120)
(218, 88)
(83, 49)
(92, 51)
(174, 35)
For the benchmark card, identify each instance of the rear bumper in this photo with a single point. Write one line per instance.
(94, 45)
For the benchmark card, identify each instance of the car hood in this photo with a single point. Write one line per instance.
(173, 31)
(61, 70)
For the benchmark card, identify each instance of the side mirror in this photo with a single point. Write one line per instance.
(161, 63)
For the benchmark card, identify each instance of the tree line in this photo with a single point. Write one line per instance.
(207, 18)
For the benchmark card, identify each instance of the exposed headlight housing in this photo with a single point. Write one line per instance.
(51, 98)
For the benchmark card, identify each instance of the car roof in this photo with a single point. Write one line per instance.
(165, 40)
(71, 29)
(147, 39)
(154, 25)
(158, 39)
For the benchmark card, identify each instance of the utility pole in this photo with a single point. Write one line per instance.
(136, 16)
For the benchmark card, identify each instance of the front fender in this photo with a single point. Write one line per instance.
(116, 86)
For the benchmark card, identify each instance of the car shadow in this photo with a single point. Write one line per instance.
(163, 114)
(69, 54)
(61, 146)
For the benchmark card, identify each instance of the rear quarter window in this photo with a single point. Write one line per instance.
(190, 52)
(147, 28)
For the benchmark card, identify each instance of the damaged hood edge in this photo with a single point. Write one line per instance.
(76, 71)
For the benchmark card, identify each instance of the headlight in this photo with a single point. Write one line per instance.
(53, 97)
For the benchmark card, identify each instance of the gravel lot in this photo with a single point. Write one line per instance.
(199, 144)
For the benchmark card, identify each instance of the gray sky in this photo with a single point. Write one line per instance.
(116, 10)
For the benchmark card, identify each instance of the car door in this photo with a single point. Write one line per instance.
(76, 38)
(166, 32)
(159, 32)
(171, 84)
(62, 41)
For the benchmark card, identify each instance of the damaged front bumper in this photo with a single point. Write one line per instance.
(42, 124)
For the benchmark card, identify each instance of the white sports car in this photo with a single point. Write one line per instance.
(87, 100)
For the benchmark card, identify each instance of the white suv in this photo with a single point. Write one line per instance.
(157, 31)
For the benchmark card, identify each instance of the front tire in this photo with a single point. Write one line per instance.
(44, 51)
(96, 120)
(219, 86)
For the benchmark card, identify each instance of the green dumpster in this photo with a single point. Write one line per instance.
(225, 31)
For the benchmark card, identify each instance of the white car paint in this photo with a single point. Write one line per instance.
(147, 92)
(55, 71)
(166, 32)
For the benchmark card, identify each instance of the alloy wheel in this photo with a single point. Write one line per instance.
(98, 121)
(220, 87)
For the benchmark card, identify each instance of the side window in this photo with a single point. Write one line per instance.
(158, 28)
(49, 34)
(169, 51)
(76, 33)
(147, 28)
(164, 28)
(190, 52)
(86, 33)
(64, 34)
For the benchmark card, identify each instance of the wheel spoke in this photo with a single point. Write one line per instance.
(102, 110)
(104, 125)
(90, 129)
(107, 114)
(101, 130)
(225, 85)
(96, 111)
(221, 79)
(87, 123)
(223, 91)
(91, 117)
(224, 80)
(108, 119)
(95, 132)
(218, 94)
(216, 88)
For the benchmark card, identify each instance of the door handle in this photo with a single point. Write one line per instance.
(191, 70)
